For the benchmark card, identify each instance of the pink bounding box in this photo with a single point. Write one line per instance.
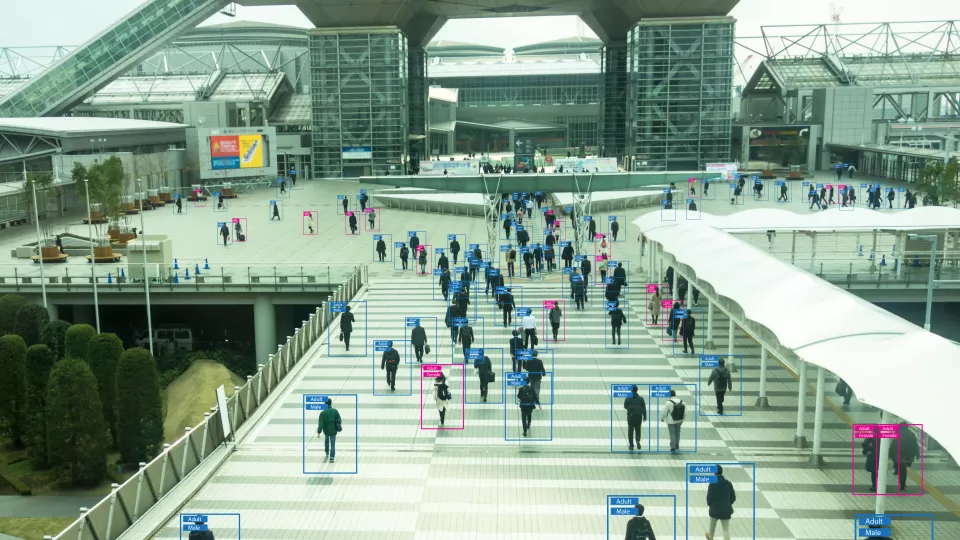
(905, 449)
(547, 327)
(428, 374)
(665, 314)
(651, 289)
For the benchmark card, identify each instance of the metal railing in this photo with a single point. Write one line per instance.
(127, 277)
(130, 501)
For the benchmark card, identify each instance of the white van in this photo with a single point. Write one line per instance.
(168, 338)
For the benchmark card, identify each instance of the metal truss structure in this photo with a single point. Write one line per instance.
(15, 147)
(25, 62)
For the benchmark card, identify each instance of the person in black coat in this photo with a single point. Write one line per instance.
(687, 329)
(455, 250)
(674, 320)
(345, 203)
(620, 275)
(567, 256)
(346, 326)
(404, 255)
(381, 250)
(443, 263)
(516, 342)
(528, 263)
(585, 268)
(391, 361)
(363, 202)
(224, 233)
(353, 223)
(418, 337)
(445, 283)
(485, 373)
(506, 304)
(506, 227)
(556, 317)
(617, 318)
(636, 415)
(535, 372)
(669, 277)
(463, 300)
(414, 242)
(592, 230)
(639, 527)
(466, 339)
(720, 499)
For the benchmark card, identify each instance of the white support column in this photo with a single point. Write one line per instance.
(673, 286)
(873, 252)
(793, 248)
(264, 328)
(816, 457)
(799, 440)
(884, 464)
(813, 252)
(762, 398)
(710, 345)
(731, 327)
(900, 257)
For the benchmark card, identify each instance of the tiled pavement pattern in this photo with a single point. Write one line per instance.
(414, 483)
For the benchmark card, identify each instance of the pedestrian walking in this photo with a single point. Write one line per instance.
(567, 256)
(655, 305)
(905, 455)
(527, 399)
(453, 312)
(578, 290)
(617, 318)
(346, 326)
(445, 283)
(511, 261)
(843, 389)
(422, 259)
(556, 317)
(506, 304)
(390, 360)
(466, 339)
(329, 424)
(441, 395)
(869, 450)
(529, 324)
(639, 527)
(535, 371)
(455, 249)
(516, 343)
(414, 243)
(672, 415)
(418, 338)
(720, 499)
(636, 415)
(345, 204)
(180, 206)
(485, 373)
(688, 326)
(224, 233)
(404, 256)
(722, 381)
(309, 222)
(443, 263)
(614, 230)
(372, 219)
(352, 220)
(381, 250)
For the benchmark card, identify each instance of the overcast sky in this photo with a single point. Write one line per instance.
(72, 22)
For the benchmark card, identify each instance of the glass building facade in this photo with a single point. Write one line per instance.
(678, 95)
(359, 98)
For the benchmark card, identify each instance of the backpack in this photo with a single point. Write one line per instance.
(678, 411)
(720, 381)
(643, 531)
(443, 392)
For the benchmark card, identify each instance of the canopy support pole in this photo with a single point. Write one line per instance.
(883, 463)
(581, 207)
(799, 440)
(731, 327)
(674, 285)
(710, 344)
(813, 252)
(873, 253)
(793, 248)
(491, 216)
(816, 457)
(762, 399)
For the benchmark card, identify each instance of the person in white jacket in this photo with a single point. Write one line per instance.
(529, 323)
(440, 388)
(310, 222)
(673, 420)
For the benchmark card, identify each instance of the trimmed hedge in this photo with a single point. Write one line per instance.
(139, 408)
(13, 386)
(76, 340)
(29, 323)
(10, 304)
(76, 434)
(40, 360)
(103, 354)
(54, 335)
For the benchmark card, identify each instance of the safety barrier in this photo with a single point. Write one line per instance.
(130, 501)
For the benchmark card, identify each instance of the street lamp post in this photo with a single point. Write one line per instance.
(36, 220)
(93, 259)
(932, 238)
(146, 277)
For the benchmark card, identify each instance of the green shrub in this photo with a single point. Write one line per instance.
(76, 340)
(103, 353)
(139, 408)
(76, 434)
(10, 304)
(168, 377)
(29, 322)
(53, 335)
(13, 386)
(40, 360)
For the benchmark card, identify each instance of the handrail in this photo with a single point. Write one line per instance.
(128, 502)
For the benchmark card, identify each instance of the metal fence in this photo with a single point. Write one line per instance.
(127, 503)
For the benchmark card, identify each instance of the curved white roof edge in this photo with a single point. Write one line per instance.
(889, 362)
(859, 219)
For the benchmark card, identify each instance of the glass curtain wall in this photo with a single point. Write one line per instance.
(359, 93)
(679, 106)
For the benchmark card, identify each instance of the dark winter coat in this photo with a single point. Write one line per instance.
(414, 242)
(390, 359)
(346, 322)
(328, 421)
(418, 336)
(721, 375)
(567, 253)
(636, 407)
(555, 315)
(443, 263)
(720, 498)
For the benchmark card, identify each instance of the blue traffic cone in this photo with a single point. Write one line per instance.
(883, 260)
(176, 278)
(122, 273)
(206, 264)
(860, 251)
(896, 264)
(871, 255)
(109, 279)
(176, 265)
(916, 261)
(197, 271)
(894, 250)
(186, 273)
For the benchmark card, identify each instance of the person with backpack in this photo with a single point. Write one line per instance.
(201, 535)
(688, 327)
(422, 259)
(466, 339)
(391, 362)
(674, 321)
(381, 250)
(673, 414)
(527, 399)
(655, 305)
(636, 415)
(418, 337)
(548, 255)
(528, 263)
(455, 250)
(720, 499)
(722, 380)
(556, 317)
(484, 369)
(511, 261)
(506, 225)
(404, 255)
(617, 318)
(843, 389)
(535, 372)
(329, 424)
(639, 527)
(441, 395)
(346, 327)
(908, 452)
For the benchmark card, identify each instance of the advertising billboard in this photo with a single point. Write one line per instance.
(236, 152)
